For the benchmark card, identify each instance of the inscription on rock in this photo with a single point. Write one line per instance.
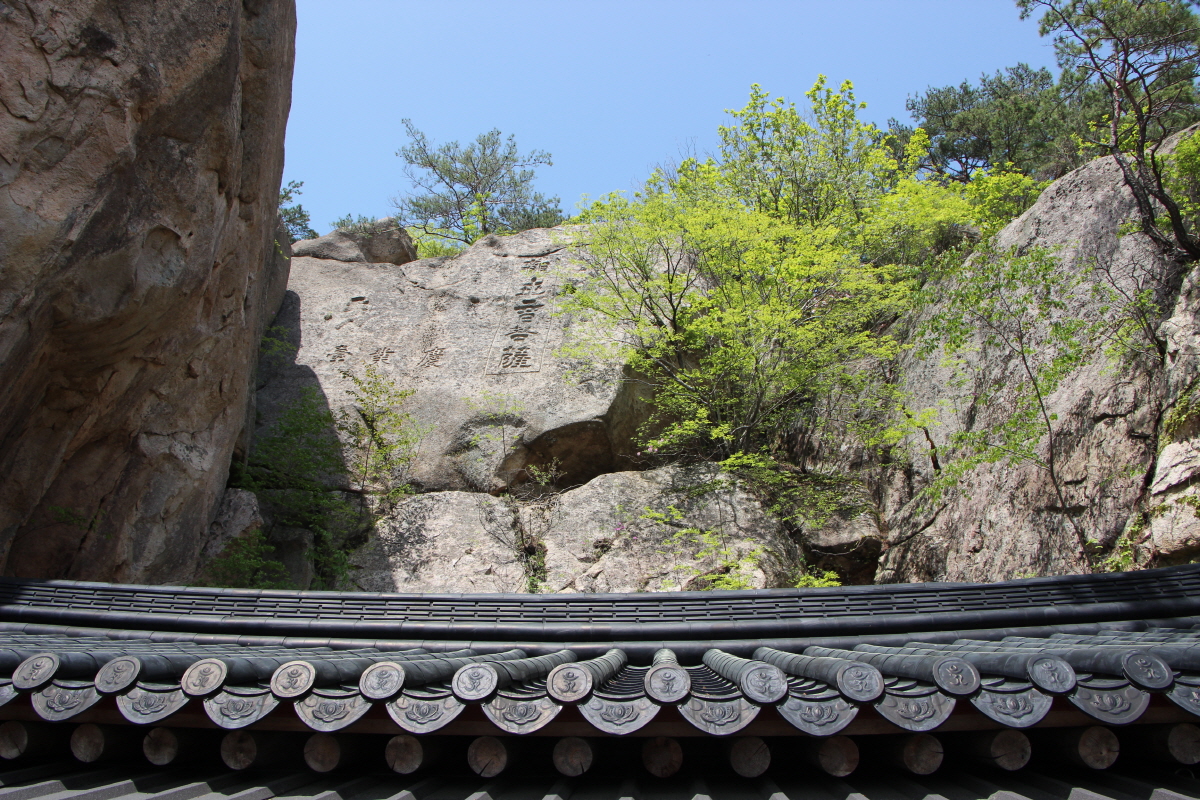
(521, 338)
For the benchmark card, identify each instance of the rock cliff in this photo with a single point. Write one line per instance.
(474, 336)
(1125, 452)
(657, 530)
(140, 161)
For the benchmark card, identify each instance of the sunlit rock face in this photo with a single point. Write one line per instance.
(141, 152)
(1006, 520)
(476, 337)
(665, 529)
(391, 245)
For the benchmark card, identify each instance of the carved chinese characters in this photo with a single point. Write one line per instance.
(521, 337)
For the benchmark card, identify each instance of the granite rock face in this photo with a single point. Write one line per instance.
(658, 530)
(475, 337)
(442, 542)
(389, 245)
(1005, 520)
(238, 515)
(141, 151)
(1126, 449)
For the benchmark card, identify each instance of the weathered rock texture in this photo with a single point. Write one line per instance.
(442, 542)
(1172, 531)
(141, 151)
(1127, 478)
(1005, 520)
(474, 336)
(658, 530)
(663, 529)
(389, 245)
(238, 515)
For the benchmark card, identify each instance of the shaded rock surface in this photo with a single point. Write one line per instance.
(442, 542)
(474, 336)
(658, 530)
(141, 151)
(238, 515)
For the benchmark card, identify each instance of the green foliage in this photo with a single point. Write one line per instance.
(434, 246)
(736, 318)
(1019, 116)
(293, 216)
(801, 498)
(464, 193)
(364, 225)
(751, 290)
(805, 580)
(294, 469)
(246, 563)
(1181, 179)
(1186, 409)
(1021, 305)
(299, 467)
(918, 219)
(275, 349)
(719, 566)
(382, 440)
(825, 168)
(999, 196)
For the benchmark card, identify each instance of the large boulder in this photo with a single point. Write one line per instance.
(660, 530)
(141, 157)
(475, 337)
(385, 243)
(1004, 520)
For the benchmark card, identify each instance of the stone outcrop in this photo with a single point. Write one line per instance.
(658, 530)
(1125, 453)
(141, 152)
(442, 542)
(238, 515)
(1004, 519)
(390, 244)
(475, 338)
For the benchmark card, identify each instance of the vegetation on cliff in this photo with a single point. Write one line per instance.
(770, 289)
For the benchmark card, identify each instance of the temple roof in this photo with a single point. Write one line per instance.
(985, 673)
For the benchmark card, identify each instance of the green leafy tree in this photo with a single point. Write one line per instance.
(1144, 55)
(918, 220)
(382, 439)
(1022, 306)
(247, 563)
(466, 192)
(292, 215)
(736, 316)
(999, 196)
(822, 168)
(1182, 180)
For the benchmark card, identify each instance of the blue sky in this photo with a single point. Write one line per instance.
(609, 87)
